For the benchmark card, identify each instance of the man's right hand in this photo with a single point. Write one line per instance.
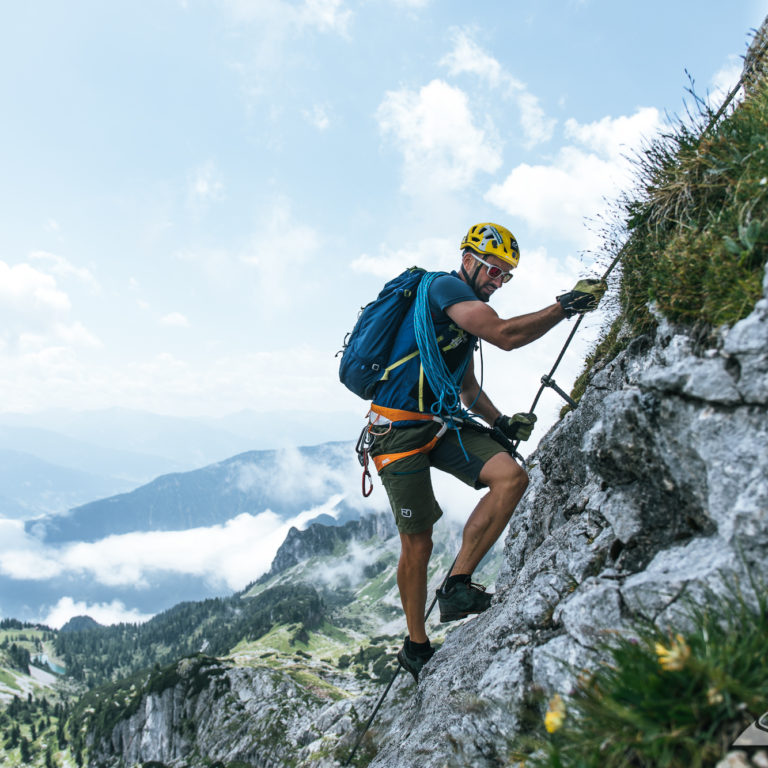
(517, 427)
(584, 297)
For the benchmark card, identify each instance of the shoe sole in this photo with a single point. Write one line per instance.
(446, 617)
(400, 661)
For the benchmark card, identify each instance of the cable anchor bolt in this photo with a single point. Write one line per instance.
(548, 381)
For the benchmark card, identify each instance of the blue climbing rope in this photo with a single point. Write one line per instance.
(446, 386)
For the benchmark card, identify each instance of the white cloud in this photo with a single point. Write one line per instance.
(285, 234)
(318, 117)
(76, 335)
(204, 185)
(280, 17)
(431, 253)
(23, 287)
(558, 197)
(104, 613)
(64, 268)
(325, 15)
(53, 375)
(175, 319)
(230, 554)
(34, 311)
(724, 81)
(468, 57)
(434, 129)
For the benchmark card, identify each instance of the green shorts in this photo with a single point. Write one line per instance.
(408, 482)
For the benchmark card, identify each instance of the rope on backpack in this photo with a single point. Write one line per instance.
(446, 386)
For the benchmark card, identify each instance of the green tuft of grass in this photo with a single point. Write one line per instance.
(695, 240)
(670, 700)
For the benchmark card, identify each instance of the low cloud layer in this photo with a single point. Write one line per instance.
(229, 555)
(104, 613)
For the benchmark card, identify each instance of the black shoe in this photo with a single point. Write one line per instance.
(461, 600)
(412, 661)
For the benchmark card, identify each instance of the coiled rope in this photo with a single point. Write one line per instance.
(446, 386)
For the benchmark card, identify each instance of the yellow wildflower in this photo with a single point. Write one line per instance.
(714, 696)
(674, 657)
(555, 714)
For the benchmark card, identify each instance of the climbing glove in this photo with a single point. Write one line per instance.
(517, 427)
(584, 297)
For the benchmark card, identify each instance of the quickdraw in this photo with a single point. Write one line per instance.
(364, 443)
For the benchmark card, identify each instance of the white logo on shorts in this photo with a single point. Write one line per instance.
(405, 512)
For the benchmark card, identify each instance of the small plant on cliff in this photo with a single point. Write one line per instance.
(664, 699)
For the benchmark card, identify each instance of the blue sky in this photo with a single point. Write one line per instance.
(197, 196)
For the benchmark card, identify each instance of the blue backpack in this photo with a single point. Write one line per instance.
(367, 349)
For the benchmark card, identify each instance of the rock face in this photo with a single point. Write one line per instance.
(656, 486)
(216, 712)
(321, 539)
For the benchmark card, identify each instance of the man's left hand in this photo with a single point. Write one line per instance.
(517, 427)
(584, 297)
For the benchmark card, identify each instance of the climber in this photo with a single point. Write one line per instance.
(408, 441)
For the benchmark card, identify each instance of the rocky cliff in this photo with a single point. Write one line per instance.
(655, 487)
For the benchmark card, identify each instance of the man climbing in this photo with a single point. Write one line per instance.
(410, 440)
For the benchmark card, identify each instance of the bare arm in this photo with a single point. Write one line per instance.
(470, 389)
(482, 321)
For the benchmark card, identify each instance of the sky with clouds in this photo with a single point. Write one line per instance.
(198, 195)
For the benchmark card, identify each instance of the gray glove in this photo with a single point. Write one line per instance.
(584, 297)
(517, 427)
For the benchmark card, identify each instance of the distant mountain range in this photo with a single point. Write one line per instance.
(119, 449)
(31, 486)
(250, 482)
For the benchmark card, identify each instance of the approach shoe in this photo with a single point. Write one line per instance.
(412, 661)
(462, 599)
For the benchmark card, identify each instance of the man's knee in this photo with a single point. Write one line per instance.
(416, 546)
(502, 474)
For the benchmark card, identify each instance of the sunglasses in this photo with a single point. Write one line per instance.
(494, 271)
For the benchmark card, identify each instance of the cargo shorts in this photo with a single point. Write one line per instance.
(408, 481)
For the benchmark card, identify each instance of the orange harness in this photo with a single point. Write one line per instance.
(390, 415)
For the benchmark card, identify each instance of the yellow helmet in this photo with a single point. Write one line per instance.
(492, 240)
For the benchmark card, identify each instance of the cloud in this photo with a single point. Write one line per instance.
(25, 288)
(76, 335)
(63, 268)
(104, 613)
(468, 57)
(292, 479)
(284, 233)
(175, 319)
(279, 17)
(559, 196)
(229, 554)
(431, 253)
(240, 380)
(34, 311)
(204, 185)
(724, 81)
(435, 131)
(318, 117)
